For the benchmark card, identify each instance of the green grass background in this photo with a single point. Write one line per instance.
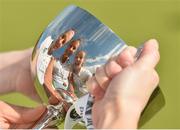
(135, 21)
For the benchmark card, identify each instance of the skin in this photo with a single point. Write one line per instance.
(79, 61)
(12, 79)
(55, 97)
(116, 87)
(70, 50)
(60, 42)
(63, 39)
(125, 83)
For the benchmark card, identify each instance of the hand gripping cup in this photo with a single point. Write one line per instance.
(66, 55)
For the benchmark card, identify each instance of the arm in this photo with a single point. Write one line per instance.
(12, 67)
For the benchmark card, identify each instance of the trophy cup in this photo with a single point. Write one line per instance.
(66, 55)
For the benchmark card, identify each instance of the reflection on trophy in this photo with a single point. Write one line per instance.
(58, 76)
(66, 55)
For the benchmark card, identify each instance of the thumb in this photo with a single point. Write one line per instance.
(150, 54)
(31, 114)
(17, 114)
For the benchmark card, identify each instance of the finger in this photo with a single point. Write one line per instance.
(16, 114)
(91, 84)
(155, 79)
(23, 126)
(30, 114)
(112, 68)
(150, 55)
(132, 50)
(4, 124)
(126, 57)
(101, 77)
(99, 93)
(94, 88)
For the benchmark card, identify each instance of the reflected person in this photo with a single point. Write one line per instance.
(79, 74)
(56, 77)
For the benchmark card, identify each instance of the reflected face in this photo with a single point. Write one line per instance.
(72, 47)
(79, 59)
(70, 50)
(67, 36)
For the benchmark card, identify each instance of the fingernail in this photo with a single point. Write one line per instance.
(154, 43)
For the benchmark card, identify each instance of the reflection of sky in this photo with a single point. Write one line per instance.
(97, 39)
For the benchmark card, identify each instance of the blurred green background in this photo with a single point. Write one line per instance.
(135, 21)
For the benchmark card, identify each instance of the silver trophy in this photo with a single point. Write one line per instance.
(66, 55)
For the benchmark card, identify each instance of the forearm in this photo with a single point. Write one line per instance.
(12, 57)
(6, 79)
(10, 67)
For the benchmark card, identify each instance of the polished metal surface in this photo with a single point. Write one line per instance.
(67, 54)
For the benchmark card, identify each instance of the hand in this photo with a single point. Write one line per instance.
(15, 75)
(123, 86)
(18, 117)
(13, 68)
